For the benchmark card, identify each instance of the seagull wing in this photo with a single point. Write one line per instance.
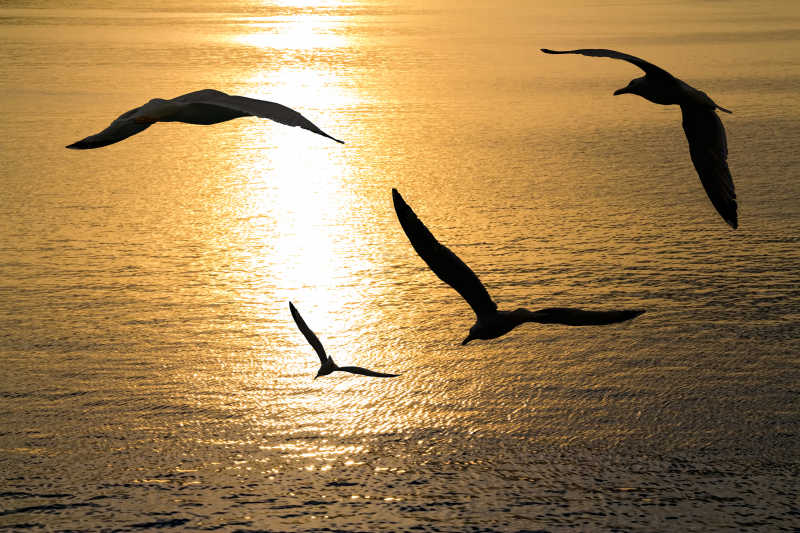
(308, 334)
(647, 67)
(365, 372)
(578, 317)
(243, 106)
(708, 147)
(444, 263)
(123, 127)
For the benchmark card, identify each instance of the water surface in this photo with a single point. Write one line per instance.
(152, 374)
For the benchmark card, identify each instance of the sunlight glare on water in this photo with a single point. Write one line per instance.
(293, 33)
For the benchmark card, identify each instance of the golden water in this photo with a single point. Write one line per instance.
(152, 374)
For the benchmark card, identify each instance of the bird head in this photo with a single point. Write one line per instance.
(471, 337)
(326, 368)
(632, 88)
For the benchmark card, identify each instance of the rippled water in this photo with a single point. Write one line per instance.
(151, 372)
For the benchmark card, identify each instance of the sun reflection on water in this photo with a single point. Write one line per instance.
(307, 3)
(295, 209)
(301, 241)
(303, 32)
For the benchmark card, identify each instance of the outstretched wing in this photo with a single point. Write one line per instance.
(123, 127)
(578, 317)
(649, 68)
(708, 147)
(365, 372)
(444, 263)
(308, 334)
(251, 106)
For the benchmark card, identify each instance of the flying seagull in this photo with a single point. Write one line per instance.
(326, 361)
(490, 322)
(708, 145)
(200, 107)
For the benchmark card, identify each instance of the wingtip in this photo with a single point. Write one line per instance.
(310, 126)
(546, 50)
(630, 314)
(733, 219)
(400, 206)
(86, 144)
(397, 198)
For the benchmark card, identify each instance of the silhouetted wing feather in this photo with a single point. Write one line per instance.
(251, 106)
(708, 147)
(578, 317)
(649, 68)
(308, 334)
(444, 263)
(123, 127)
(365, 372)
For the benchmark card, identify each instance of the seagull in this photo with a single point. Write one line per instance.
(490, 322)
(200, 107)
(708, 145)
(326, 361)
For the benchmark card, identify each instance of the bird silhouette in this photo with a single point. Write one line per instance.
(490, 322)
(708, 145)
(327, 365)
(200, 107)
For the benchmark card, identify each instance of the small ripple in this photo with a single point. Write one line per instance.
(33, 495)
(46, 508)
(160, 524)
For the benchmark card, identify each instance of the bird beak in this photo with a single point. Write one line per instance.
(315, 377)
(621, 91)
(466, 341)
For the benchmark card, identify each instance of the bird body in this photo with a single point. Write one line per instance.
(490, 322)
(492, 325)
(666, 89)
(327, 365)
(204, 107)
(204, 114)
(703, 128)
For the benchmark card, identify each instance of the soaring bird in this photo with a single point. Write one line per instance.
(490, 322)
(327, 365)
(200, 107)
(708, 145)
